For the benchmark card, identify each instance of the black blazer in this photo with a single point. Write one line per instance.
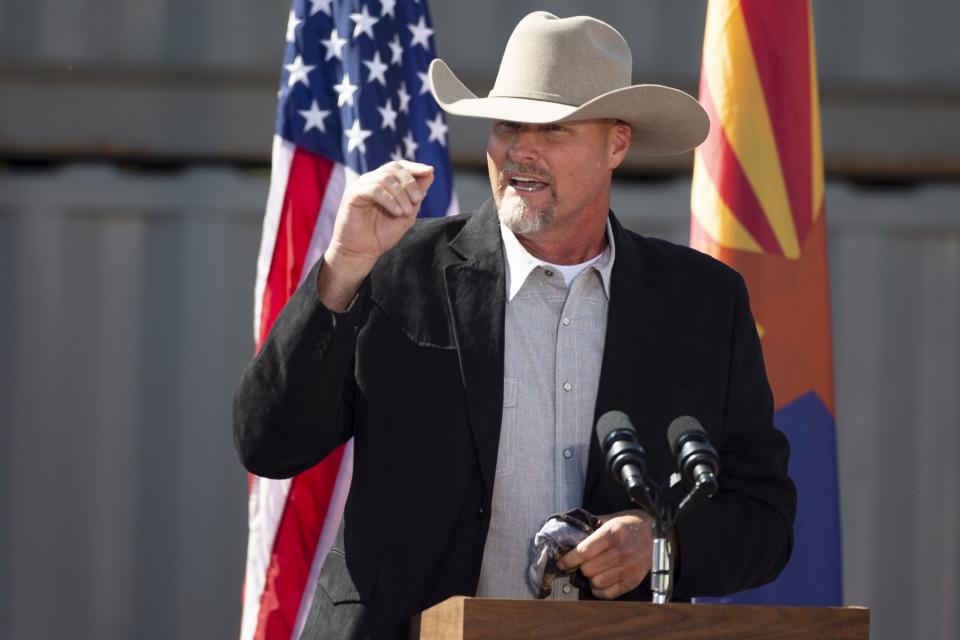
(413, 371)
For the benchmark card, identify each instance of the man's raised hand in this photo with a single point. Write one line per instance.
(375, 211)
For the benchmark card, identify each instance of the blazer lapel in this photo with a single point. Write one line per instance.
(634, 324)
(476, 295)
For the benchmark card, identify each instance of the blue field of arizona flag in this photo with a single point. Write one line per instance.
(353, 95)
(757, 204)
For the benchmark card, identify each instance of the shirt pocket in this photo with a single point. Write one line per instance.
(506, 451)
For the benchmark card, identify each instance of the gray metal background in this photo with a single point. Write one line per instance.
(128, 233)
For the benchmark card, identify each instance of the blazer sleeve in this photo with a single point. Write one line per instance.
(743, 536)
(294, 403)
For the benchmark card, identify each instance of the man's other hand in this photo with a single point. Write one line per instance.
(375, 211)
(617, 556)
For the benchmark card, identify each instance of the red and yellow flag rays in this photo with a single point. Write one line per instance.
(757, 196)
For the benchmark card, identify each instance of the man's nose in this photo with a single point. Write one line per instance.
(525, 146)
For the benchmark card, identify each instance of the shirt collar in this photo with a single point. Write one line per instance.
(520, 263)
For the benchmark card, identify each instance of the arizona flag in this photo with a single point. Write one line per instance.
(757, 204)
(353, 96)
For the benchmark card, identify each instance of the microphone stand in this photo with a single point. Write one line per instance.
(650, 498)
(666, 507)
(661, 571)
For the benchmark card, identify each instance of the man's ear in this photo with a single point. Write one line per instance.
(620, 136)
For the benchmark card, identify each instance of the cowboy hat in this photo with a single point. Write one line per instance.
(562, 69)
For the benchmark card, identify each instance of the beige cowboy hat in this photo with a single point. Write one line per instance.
(562, 69)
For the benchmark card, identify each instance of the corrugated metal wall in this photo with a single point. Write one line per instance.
(197, 79)
(127, 293)
(127, 319)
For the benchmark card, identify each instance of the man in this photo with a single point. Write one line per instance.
(469, 359)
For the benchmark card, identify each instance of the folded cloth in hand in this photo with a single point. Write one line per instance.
(558, 535)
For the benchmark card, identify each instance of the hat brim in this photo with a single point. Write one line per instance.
(665, 121)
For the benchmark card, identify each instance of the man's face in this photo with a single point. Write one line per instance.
(553, 174)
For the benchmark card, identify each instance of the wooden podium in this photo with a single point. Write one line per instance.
(461, 618)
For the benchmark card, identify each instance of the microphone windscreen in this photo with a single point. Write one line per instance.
(612, 421)
(680, 427)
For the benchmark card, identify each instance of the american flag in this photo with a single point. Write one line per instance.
(353, 95)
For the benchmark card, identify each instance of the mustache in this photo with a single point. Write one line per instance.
(530, 169)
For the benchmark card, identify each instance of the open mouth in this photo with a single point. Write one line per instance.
(526, 183)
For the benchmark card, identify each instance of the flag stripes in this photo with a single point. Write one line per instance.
(286, 541)
(295, 546)
(299, 210)
(729, 177)
(338, 499)
(781, 32)
(753, 114)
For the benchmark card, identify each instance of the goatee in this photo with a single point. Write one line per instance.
(518, 217)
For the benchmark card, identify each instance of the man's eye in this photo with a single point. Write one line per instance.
(505, 126)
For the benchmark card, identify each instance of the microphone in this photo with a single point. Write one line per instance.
(697, 460)
(625, 458)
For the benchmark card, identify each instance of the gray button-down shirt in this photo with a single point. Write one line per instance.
(553, 352)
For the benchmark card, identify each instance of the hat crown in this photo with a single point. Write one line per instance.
(564, 60)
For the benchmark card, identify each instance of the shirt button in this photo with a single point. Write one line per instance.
(548, 273)
(567, 386)
(566, 322)
(567, 453)
(566, 588)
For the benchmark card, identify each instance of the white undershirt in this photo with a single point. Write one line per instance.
(520, 263)
(571, 271)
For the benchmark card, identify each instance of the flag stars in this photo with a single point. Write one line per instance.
(314, 117)
(356, 136)
(292, 23)
(317, 6)
(411, 146)
(388, 115)
(386, 8)
(421, 33)
(298, 71)
(364, 22)
(424, 82)
(345, 91)
(438, 130)
(334, 46)
(404, 98)
(396, 50)
(377, 69)
(351, 69)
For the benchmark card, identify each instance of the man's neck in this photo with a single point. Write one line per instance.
(567, 246)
